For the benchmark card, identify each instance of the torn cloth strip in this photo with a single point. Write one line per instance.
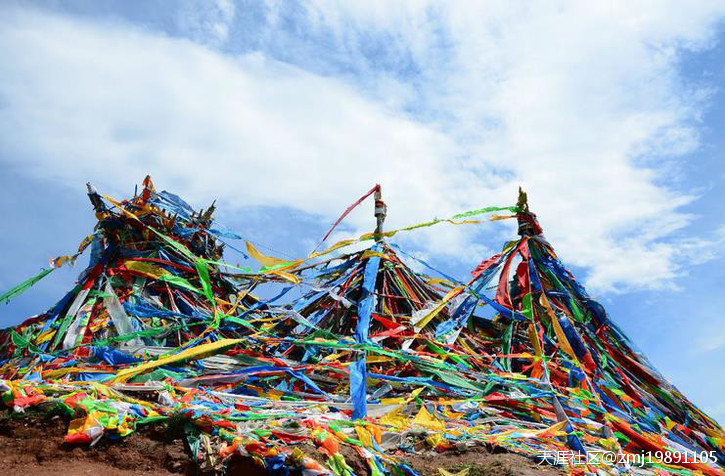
(358, 377)
(367, 302)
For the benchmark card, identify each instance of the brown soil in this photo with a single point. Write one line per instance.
(33, 444)
(482, 462)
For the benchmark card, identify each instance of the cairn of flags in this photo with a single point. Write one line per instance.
(373, 355)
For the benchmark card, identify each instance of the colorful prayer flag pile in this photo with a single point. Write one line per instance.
(371, 355)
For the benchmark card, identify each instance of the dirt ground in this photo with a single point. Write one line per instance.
(33, 444)
(482, 463)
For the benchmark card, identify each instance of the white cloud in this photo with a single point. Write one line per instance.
(206, 21)
(582, 104)
(710, 342)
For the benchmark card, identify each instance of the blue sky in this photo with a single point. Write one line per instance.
(609, 114)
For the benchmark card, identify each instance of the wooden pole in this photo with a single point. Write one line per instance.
(528, 226)
(381, 211)
(95, 199)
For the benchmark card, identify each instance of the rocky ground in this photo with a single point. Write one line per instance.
(33, 444)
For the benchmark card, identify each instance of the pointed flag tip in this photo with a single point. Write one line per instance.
(523, 201)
